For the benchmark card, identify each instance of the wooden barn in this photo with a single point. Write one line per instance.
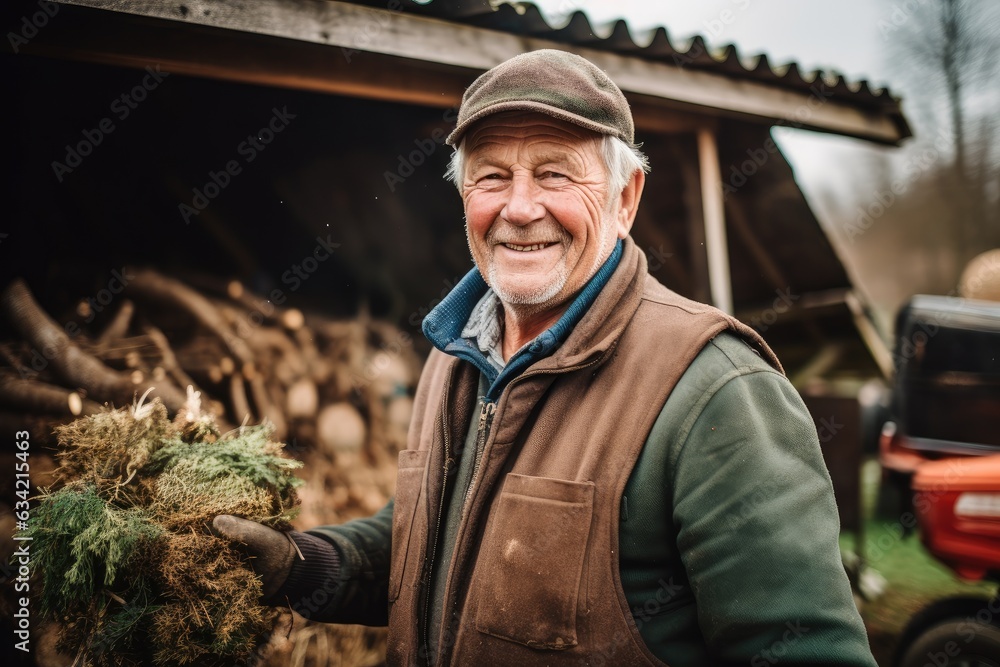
(294, 149)
(370, 89)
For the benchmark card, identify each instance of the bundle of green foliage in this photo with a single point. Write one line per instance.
(129, 567)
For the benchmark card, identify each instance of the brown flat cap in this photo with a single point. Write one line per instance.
(560, 84)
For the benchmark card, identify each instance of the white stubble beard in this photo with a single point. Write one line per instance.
(542, 295)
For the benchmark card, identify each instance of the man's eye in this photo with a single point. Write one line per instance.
(490, 177)
(553, 174)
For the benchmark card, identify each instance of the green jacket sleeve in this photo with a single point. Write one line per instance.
(359, 593)
(756, 523)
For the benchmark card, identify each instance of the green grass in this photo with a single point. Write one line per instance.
(914, 578)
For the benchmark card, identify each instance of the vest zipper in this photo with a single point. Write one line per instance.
(482, 434)
(486, 421)
(449, 463)
(482, 431)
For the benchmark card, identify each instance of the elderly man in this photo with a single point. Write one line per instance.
(599, 471)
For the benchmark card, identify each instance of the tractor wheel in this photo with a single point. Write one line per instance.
(955, 643)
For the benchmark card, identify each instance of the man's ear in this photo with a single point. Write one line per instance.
(629, 203)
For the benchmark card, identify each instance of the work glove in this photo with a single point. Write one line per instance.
(287, 563)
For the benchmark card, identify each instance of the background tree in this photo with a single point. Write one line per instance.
(944, 52)
(916, 215)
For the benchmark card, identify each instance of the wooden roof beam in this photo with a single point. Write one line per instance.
(356, 29)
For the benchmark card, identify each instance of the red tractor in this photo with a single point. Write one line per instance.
(942, 453)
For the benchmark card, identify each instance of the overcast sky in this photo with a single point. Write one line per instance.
(842, 36)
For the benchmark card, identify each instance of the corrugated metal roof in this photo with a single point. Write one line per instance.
(469, 35)
(525, 18)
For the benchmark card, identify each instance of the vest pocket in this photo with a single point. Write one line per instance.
(532, 561)
(409, 481)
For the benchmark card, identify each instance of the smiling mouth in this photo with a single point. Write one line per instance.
(527, 248)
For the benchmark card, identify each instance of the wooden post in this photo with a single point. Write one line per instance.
(716, 245)
(685, 157)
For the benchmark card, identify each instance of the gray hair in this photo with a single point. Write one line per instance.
(621, 161)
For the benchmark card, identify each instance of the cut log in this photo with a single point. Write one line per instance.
(72, 365)
(267, 407)
(293, 319)
(42, 397)
(149, 285)
(169, 358)
(238, 396)
(274, 341)
(340, 428)
(152, 286)
(302, 400)
(117, 328)
(317, 365)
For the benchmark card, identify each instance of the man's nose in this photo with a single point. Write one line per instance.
(523, 206)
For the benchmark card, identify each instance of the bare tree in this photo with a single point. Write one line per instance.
(945, 51)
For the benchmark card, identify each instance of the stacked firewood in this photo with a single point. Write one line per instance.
(338, 392)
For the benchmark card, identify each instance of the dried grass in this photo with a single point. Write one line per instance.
(211, 607)
(107, 449)
(129, 568)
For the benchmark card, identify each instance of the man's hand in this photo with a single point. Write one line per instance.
(273, 552)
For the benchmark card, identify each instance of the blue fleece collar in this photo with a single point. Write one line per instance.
(444, 324)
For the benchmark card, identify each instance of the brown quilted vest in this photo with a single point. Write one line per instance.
(534, 579)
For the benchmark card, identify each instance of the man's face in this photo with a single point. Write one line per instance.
(539, 215)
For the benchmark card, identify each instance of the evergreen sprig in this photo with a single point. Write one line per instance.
(249, 454)
(82, 542)
(129, 568)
